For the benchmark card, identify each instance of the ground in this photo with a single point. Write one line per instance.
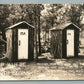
(47, 68)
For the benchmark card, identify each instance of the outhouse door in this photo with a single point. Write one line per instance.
(22, 44)
(70, 43)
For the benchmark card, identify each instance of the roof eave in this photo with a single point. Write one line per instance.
(19, 24)
(76, 26)
(65, 27)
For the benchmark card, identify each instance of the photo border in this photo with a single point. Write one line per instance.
(42, 2)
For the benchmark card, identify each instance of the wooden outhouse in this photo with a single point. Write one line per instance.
(20, 42)
(2, 46)
(65, 40)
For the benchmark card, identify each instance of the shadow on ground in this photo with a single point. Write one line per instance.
(47, 68)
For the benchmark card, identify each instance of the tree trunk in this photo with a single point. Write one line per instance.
(36, 53)
(39, 30)
(53, 15)
(45, 31)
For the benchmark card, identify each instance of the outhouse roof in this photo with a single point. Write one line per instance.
(63, 26)
(23, 22)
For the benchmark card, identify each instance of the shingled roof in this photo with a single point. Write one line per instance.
(63, 26)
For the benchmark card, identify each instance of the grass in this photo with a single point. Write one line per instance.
(46, 68)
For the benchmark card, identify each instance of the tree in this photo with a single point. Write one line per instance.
(56, 14)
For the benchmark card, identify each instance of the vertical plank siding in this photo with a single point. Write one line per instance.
(15, 44)
(76, 42)
(56, 44)
(64, 44)
(31, 44)
(58, 41)
(9, 45)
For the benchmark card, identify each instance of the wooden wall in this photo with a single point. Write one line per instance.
(56, 43)
(12, 43)
(76, 40)
(2, 49)
(15, 44)
(9, 44)
(31, 44)
(64, 43)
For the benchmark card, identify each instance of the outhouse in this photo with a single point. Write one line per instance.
(65, 40)
(20, 42)
(2, 46)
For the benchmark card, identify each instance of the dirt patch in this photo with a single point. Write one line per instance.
(46, 68)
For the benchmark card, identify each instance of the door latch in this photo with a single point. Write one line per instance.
(19, 42)
(67, 42)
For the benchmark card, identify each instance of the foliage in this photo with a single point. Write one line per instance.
(56, 14)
